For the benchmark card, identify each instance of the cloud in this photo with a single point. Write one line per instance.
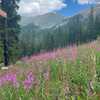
(83, 1)
(88, 1)
(38, 7)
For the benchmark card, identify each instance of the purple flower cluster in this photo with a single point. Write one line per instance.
(98, 49)
(28, 82)
(9, 78)
(64, 53)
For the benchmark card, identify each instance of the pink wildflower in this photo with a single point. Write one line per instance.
(74, 52)
(28, 82)
(97, 49)
(12, 78)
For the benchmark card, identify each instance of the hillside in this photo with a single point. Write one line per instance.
(65, 70)
(51, 31)
(83, 13)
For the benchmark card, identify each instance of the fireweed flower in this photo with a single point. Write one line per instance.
(98, 49)
(9, 78)
(74, 52)
(28, 82)
(45, 56)
(12, 78)
(30, 76)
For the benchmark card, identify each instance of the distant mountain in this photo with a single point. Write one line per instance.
(53, 30)
(54, 20)
(25, 20)
(43, 21)
(28, 32)
(84, 14)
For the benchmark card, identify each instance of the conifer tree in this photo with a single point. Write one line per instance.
(10, 30)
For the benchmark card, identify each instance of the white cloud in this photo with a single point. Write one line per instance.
(88, 1)
(83, 1)
(37, 7)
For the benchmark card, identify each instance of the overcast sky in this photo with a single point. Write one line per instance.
(38, 7)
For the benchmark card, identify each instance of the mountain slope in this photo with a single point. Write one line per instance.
(44, 21)
(84, 14)
(51, 31)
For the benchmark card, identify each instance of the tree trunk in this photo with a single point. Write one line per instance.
(5, 43)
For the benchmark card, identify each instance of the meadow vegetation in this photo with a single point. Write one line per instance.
(71, 73)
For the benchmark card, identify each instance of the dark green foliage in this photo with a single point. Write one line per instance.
(97, 25)
(12, 28)
(90, 26)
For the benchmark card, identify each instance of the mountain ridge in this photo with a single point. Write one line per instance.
(43, 21)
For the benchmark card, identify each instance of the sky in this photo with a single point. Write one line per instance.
(64, 7)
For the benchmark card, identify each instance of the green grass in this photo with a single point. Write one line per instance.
(58, 79)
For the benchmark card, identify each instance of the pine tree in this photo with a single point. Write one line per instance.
(12, 30)
(91, 25)
(97, 25)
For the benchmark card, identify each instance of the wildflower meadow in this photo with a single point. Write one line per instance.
(71, 73)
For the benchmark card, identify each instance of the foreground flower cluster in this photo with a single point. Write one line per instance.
(29, 81)
(11, 79)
